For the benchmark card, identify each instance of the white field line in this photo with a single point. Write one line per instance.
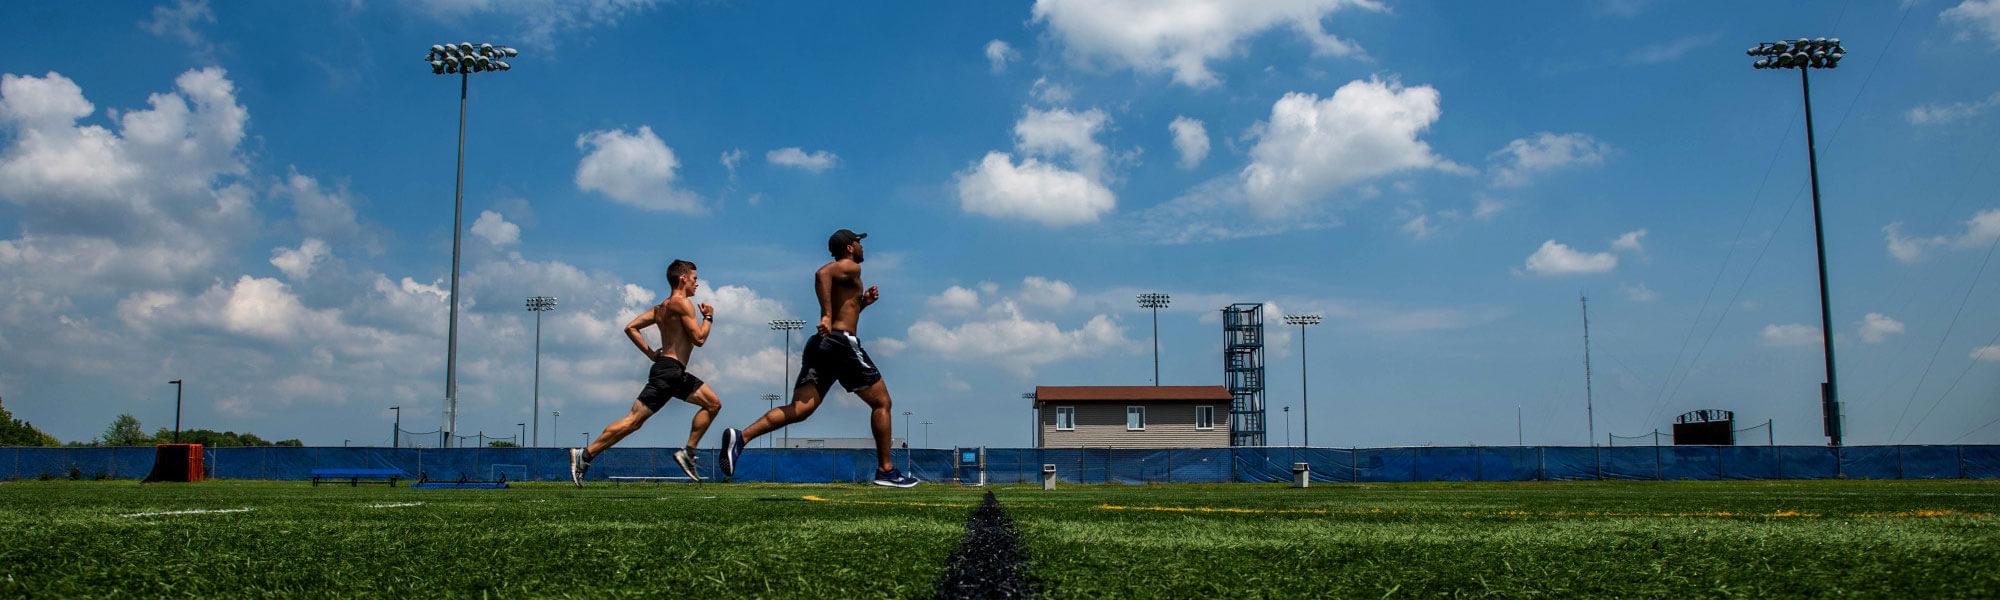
(396, 505)
(171, 513)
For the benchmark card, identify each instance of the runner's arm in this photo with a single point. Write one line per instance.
(632, 331)
(697, 325)
(823, 287)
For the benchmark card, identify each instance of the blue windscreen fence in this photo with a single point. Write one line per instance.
(1073, 465)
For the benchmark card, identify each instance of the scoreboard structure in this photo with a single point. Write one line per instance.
(1707, 427)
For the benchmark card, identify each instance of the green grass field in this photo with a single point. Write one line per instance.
(1810, 538)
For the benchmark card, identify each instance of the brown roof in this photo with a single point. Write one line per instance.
(1122, 393)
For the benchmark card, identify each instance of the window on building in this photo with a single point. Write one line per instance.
(1204, 417)
(1066, 418)
(1135, 418)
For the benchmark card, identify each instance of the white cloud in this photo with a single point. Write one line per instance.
(1939, 114)
(298, 263)
(1184, 36)
(1556, 259)
(1059, 133)
(1049, 92)
(1875, 327)
(1986, 353)
(1790, 335)
(1419, 227)
(817, 161)
(1039, 189)
(1639, 292)
(1046, 292)
(495, 229)
(160, 198)
(1981, 16)
(998, 54)
(1004, 337)
(635, 169)
(1980, 231)
(1631, 241)
(954, 300)
(730, 159)
(1190, 139)
(1313, 147)
(178, 22)
(541, 20)
(1484, 208)
(1517, 163)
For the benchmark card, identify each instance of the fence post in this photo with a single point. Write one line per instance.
(1961, 460)
(1657, 474)
(1899, 463)
(1541, 465)
(1721, 470)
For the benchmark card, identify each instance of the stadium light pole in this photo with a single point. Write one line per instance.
(1288, 425)
(907, 462)
(788, 326)
(538, 305)
(461, 59)
(1155, 301)
(524, 433)
(927, 434)
(177, 410)
(1305, 404)
(1805, 55)
(396, 435)
(555, 424)
(771, 400)
(1035, 412)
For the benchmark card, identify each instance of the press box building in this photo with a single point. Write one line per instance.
(1169, 416)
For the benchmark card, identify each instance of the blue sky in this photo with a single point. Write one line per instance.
(256, 197)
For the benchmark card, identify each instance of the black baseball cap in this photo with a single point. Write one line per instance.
(840, 239)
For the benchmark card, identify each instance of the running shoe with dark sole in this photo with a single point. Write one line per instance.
(732, 447)
(895, 478)
(686, 460)
(578, 466)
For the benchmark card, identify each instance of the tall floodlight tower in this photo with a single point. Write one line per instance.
(1305, 406)
(538, 305)
(1589, 398)
(461, 59)
(1805, 55)
(784, 386)
(1243, 372)
(1155, 301)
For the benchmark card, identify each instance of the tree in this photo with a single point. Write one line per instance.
(125, 431)
(15, 432)
(502, 444)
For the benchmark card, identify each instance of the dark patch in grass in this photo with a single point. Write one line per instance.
(990, 563)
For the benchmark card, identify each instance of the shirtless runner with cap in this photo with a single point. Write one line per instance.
(833, 354)
(683, 325)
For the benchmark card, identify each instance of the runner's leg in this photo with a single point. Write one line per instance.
(805, 399)
(709, 404)
(620, 428)
(876, 395)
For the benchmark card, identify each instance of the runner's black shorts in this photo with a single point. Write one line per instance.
(836, 356)
(669, 379)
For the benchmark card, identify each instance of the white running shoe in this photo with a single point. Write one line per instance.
(578, 466)
(686, 460)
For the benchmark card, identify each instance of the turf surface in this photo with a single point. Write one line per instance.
(1807, 538)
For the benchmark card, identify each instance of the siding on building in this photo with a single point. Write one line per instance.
(1101, 424)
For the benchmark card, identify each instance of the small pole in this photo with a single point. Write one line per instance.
(396, 436)
(177, 410)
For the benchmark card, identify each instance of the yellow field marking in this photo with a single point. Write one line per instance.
(1229, 510)
(1930, 514)
(810, 498)
(1715, 514)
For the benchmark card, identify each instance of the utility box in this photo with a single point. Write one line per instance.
(971, 466)
(1048, 477)
(1302, 475)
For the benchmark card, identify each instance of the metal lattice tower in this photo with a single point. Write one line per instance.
(1243, 372)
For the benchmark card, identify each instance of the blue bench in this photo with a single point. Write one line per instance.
(353, 477)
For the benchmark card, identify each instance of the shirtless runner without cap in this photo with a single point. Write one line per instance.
(683, 325)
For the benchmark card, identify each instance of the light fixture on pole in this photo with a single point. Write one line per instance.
(461, 59)
(1305, 404)
(555, 424)
(1288, 425)
(1155, 301)
(788, 326)
(1805, 55)
(538, 305)
(771, 401)
(396, 435)
(177, 410)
